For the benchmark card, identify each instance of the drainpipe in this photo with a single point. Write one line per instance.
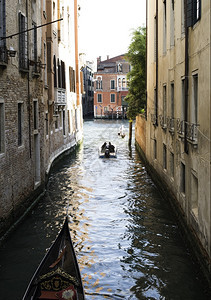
(186, 79)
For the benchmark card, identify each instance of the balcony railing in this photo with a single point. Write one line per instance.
(122, 89)
(154, 119)
(181, 127)
(192, 132)
(170, 124)
(163, 121)
(190, 129)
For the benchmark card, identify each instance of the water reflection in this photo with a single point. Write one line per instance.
(126, 239)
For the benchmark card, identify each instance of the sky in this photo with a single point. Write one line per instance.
(105, 26)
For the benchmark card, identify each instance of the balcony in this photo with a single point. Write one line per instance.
(181, 128)
(170, 124)
(122, 89)
(192, 133)
(154, 119)
(190, 129)
(163, 121)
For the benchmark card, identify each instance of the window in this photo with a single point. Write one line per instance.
(197, 10)
(164, 156)
(172, 164)
(54, 71)
(112, 98)
(172, 23)
(183, 18)
(182, 178)
(193, 12)
(99, 84)
(155, 38)
(155, 121)
(72, 79)
(34, 50)
(112, 84)
(59, 74)
(164, 26)
(124, 83)
(63, 119)
(46, 124)
(99, 98)
(194, 194)
(44, 5)
(172, 100)
(63, 83)
(2, 139)
(164, 105)
(23, 43)
(183, 100)
(20, 124)
(45, 65)
(194, 106)
(35, 108)
(155, 148)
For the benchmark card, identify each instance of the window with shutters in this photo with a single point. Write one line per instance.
(172, 23)
(112, 84)
(99, 98)
(112, 98)
(164, 27)
(23, 43)
(54, 70)
(20, 124)
(193, 12)
(3, 52)
(34, 50)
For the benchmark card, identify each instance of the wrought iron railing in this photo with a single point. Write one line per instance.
(163, 121)
(170, 124)
(192, 132)
(154, 119)
(180, 127)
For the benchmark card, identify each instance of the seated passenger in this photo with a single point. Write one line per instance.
(103, 147)
(111, 147)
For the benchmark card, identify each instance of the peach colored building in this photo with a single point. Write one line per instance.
(110, 87)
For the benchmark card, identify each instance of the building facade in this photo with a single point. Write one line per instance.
(88, 89)
(40, 106)
(175, 137)
(111, 87)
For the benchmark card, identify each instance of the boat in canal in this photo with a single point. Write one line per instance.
(122, 131)
(107, 150)
(58, 275)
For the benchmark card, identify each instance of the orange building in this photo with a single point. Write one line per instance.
(111, 87)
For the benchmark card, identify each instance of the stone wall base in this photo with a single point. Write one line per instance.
(199, 255)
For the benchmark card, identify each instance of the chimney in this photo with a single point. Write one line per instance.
(98, 60)
(107, 57)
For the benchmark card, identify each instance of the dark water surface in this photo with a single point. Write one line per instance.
(126, 239)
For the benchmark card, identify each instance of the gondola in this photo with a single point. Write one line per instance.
(107, 150)
(58, 275)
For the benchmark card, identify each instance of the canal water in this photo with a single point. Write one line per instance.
(126, 238)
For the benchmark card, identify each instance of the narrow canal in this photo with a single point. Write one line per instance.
(127, 240)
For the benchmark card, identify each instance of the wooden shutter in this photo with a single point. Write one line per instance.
(189, 13)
